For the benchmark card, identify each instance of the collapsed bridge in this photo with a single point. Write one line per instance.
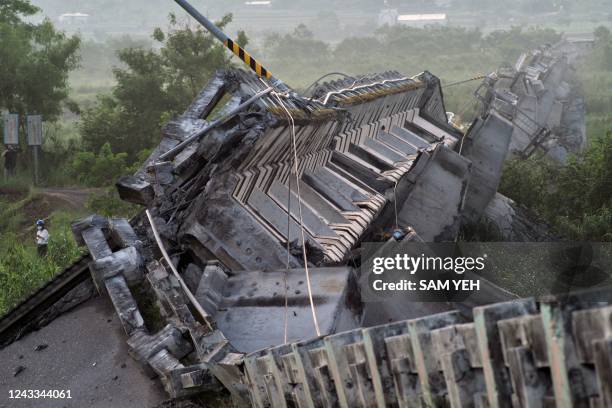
(231, 209)
(251, 238)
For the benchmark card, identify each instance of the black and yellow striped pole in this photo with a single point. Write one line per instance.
(233, 46)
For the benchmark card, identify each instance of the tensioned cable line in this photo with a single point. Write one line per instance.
(476, 78)
(286, 331)
(296, 170)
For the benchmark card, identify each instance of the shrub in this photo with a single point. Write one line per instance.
(101, 169)
(575, 198)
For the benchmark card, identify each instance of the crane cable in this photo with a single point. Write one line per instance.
(304, 255)
(286, 331)
(476, 78)
(315, 83)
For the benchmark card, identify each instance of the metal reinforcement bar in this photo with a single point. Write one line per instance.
(19, 320)
(205, 316)
(197, 135)
(261, 71)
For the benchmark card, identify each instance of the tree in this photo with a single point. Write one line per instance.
(36, 62)
(101, 169)
(606, 57)
(603, 42)
(156, 85)
(575, 198)
(299, 46)
(514, 41)
(602, 35)
(10, 10)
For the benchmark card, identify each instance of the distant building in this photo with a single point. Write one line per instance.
(74, 18)
(258, 3)
(422, 20)
(392, 17)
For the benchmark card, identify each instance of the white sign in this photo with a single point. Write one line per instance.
(35, 130)
(11, 129)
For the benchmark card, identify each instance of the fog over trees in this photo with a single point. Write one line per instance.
(361, 15)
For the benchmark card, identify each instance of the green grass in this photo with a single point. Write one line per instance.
(22, 271)
(19, 184)
(576, 199)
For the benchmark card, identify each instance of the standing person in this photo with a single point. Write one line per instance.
(10, 160)
(42, 238)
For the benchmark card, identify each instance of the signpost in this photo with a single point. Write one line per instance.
(11, 129)
(35, 131)
(11, 143)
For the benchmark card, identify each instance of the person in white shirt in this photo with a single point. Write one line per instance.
(42, 238)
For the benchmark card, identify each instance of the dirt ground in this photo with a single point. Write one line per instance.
(75, 198)
(44, 202)
(12, 193)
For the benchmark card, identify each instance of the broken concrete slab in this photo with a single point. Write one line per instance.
(446, 175)
(486, 148)
(504, 220)
(93, 221)
(258, 298)
(135, 190)
(122, 234)
(127, 262)
(124, 303)
(96, 242)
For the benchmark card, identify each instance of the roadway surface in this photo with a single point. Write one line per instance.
(86, 353)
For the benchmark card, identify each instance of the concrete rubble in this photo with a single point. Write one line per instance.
(542, 97)
(504, 220)
(546, 102)
(375, 155)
